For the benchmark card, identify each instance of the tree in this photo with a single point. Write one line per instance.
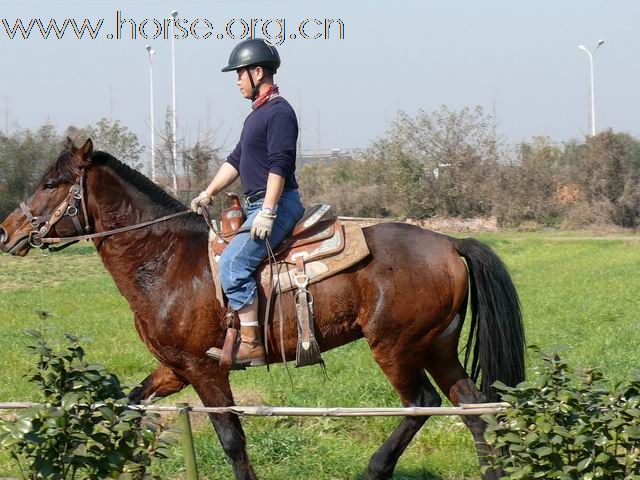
(347, 184)
(200, 162)
(436, 163)
(607, 169)
(164, 153)
(528, 188)
(116, 139)
(24, 156)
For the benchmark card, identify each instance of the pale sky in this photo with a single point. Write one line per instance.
(519, 57)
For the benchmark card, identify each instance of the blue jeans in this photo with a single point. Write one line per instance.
(243, 256)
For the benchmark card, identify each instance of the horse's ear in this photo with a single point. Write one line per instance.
(87, 149)
(83, 154)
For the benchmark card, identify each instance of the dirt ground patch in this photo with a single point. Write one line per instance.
(453, 224)
(439, 224)
(490, 225)
(201, 420)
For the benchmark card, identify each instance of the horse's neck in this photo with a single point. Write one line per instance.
(136, 258)
(114, 203)
(162, 270)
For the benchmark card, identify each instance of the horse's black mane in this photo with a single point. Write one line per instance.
(138, 180)
(64, 170)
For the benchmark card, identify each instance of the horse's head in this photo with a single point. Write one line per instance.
(55, 209)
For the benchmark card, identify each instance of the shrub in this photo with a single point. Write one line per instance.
(566, 425)
(84, 427)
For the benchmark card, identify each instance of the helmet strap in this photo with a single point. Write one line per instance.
(255, 88)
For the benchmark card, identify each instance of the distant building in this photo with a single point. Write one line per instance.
(326, 156)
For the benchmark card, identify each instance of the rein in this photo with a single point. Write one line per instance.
(69, 208)
(114, 231)
(204, 211)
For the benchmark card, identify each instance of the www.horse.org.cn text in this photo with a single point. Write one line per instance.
(274, 30)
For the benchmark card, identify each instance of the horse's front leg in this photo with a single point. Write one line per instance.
(212, 385)
(162, 382)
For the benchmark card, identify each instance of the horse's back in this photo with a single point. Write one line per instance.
(417, 278)
(402, 242)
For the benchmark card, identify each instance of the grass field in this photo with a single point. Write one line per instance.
(579, 296)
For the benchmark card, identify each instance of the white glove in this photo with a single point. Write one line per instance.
(262, 225)
(202, 200)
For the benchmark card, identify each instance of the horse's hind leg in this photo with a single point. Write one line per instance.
(415, 389)
(162, 382)
(459, 388)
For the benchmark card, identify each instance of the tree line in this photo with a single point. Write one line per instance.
(443, 163)
(26, 153)
(453, 164)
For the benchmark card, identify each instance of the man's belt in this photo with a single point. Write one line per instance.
(254, 197)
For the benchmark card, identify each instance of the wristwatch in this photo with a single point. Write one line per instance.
(267, 211)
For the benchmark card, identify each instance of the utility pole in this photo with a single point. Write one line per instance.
(593, 93)
(151, 120)
(174, 146)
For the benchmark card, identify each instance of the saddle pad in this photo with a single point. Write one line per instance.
(355, 249)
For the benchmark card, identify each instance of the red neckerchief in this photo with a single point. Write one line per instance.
(271, 92)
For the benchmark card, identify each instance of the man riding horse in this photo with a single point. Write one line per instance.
(264, 159)
(408, 298)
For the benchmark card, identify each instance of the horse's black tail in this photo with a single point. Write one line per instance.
(496, 342)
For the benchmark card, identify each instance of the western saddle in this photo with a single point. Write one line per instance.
(318, 224)
(315, 250)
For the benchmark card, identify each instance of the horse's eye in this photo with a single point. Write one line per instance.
(50, 185)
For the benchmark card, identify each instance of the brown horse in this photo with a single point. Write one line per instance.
(408, 300)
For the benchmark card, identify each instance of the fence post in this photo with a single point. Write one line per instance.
(187, 441)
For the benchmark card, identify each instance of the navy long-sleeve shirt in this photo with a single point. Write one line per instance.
(267, 145)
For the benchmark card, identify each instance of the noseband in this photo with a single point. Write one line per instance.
(42, 225)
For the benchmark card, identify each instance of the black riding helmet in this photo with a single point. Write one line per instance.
(253, 52)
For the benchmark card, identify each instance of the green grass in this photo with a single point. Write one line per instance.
(579, 296)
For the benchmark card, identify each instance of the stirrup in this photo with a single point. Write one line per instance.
(216, 354)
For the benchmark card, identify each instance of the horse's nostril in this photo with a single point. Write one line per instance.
(3, 236)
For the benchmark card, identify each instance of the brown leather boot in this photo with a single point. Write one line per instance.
(249, 352)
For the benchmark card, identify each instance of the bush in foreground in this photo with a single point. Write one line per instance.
(566, 425)
(84, 427)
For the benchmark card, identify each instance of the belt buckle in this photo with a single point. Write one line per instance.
(254, 198)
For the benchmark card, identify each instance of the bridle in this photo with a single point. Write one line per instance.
(42, 225)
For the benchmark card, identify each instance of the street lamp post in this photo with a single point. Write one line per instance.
(174, 152)
(593, 94)
(151, 120)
